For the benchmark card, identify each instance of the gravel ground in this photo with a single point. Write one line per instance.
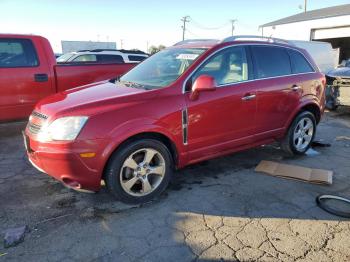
(217, 210)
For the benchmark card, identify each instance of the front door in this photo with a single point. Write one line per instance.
(223, 119)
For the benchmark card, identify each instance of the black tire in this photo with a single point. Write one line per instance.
(113, 171)
(288, 143)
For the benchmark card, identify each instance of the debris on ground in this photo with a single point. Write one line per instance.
(319, 143)
(14, 236)
(3, 254)
(312, 152)
(312, 175)
(333, 208)
(339, 138)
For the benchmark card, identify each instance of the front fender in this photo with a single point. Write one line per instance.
(138, 126)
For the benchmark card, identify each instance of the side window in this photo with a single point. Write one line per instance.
(299, 63)
(85, 58)
(17, 53)
(228, 66)
(271, 61)
(136, 58)
(110, 59)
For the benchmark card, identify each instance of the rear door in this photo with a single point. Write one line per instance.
(223, 119)
(24, 79)
(279, 91)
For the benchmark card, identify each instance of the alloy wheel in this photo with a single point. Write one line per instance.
(303, 134)
(142, 172)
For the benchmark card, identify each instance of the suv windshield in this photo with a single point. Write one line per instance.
(64, 58)
(163, 68)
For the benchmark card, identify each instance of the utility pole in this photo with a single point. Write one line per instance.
(184, 19)
(121, 43)
(232, 25)
(305, 6)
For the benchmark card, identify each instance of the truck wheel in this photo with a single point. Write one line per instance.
(139, 172)
(300, 134)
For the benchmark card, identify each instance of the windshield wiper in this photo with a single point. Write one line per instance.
(133, 84)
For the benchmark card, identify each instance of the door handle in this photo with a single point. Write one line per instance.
(296, 88)
(41, 78)
(248, 97)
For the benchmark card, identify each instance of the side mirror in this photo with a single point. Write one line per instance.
(202, 83)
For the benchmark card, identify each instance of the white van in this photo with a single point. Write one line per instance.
(323, 53)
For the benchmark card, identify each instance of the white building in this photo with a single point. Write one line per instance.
(72, 46)
(330, 24)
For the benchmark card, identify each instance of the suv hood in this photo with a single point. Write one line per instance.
(89, 99)
(343, 72)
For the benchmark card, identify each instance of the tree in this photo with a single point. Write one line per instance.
(154, 49)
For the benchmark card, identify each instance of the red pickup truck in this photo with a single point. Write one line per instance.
(29, 72)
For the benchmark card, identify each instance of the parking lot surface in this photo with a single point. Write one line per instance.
(217, 210)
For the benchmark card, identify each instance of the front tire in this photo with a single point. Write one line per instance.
(139, 171)
(300, 134)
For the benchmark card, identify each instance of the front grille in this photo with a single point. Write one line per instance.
(36, 121)
(33, 128)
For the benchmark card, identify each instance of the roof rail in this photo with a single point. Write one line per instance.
(192, 41)
(256, 38)
(119, 50)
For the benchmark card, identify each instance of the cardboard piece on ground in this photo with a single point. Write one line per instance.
(317, 176)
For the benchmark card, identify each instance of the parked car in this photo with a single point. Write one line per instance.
(338, 86)
(103, 56)
(28, 73)
(188, 103)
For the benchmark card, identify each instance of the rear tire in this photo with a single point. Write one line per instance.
(300, 134)
(139, 171)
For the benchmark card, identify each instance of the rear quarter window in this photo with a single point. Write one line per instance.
(136, 58)
(271, 61)
(299, 63)
(17, 53)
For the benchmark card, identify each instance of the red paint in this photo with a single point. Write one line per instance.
(219, 122)
(19, 92)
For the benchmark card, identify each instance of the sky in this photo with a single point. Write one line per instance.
(140, 24)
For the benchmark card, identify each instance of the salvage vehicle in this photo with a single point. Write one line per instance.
(188, 103)
(338, 86)
(103, 56)
(29, 72)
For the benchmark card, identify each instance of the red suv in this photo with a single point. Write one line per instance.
(191, 102)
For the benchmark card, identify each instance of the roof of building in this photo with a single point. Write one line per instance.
(332, 11)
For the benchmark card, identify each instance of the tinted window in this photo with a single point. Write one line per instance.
(137, 58)
(271, 61)
(85, 58)
(299, 63)
(17, 53)
(110, 59)
(228, 66)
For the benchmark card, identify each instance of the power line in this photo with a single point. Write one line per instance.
(184, 19)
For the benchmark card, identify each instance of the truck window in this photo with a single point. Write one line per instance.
(17, 53)
(271, 61)
(85, 58)
(136, 58)
(110, 59)
(299, 63)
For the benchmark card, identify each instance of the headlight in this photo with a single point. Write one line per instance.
(64, 129)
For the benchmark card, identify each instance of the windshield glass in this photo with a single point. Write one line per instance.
(163, 68)
(64, 58)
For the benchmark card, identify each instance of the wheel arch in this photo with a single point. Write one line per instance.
(168, 142)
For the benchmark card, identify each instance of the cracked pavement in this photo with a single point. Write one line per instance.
(213, 211)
